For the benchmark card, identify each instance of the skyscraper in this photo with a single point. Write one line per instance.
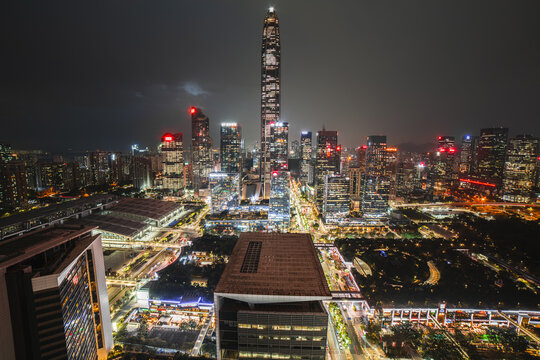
(466, 155)
(231, 148)
(201, 148)
(53, 296)
(519, 170)
(376, 183)
(172, 155)
(444, 162)
(279, 210)
(336, 198)
(279, 148)
(491, 154)
(270, 91)
(327, 161)
(306, 150)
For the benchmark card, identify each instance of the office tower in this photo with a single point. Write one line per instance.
(376, 184)
(306, 153)
(279, 148)
(13, 185)
(444, 163)
(279, 211)
(327, 160)
(201, 148)
(231, 148)
(270, 92)
(336, 198)
(466, 155)
(491, 154)
(519, 170)
(355, 182)
(224, 191)
(361, 157)
(53, 296)
(271, 289)
(172, 157)
(295, 152)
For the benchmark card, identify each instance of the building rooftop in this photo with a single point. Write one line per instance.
(19, 248)
(150, 208)
(114, 224)
(54, 209)
(274, 264)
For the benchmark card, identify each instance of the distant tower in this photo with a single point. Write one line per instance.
(306, 150)
(279, 149)
(376, 182)
(327, 161)
(519, 170)
(270, 91)
(172, 155)
(201, 148)
(491, 154)
(231, 148)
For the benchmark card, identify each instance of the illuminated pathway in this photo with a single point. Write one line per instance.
(202, 334)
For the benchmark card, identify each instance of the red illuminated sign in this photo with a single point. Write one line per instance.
(192, 110)
(167, 137)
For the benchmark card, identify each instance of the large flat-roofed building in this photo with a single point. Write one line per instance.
(269, 300)
(21, 223)
(53, 296)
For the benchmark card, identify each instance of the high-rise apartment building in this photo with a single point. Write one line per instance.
(270, 92)
(224, 191)
(231, 148)
(279, 210)
(13, 184)
(53, 296)
(336, 198)
(327, 160)
(376, 183)
(520, 167)
(201, 148)
(269, 300)
(279, 148)
(172, 155)
(491, 154)
(306, 154)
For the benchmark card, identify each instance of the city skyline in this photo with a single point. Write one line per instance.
(409, 99)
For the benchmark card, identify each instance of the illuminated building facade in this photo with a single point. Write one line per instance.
(172, 156)
(231, 148)
(519, 170)
(376, 182)
(444, 163)
(466, 155)
(269, 300)
(13, 184)
(270, 92)
(279, 148)
(224, 191)
(491, 154)
(327, 160)
(279, 212)
(201, 148)
(306, 153)
(355, 182)
(336, 198)
(53, 295)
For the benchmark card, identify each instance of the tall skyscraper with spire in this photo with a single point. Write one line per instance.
(270, 92)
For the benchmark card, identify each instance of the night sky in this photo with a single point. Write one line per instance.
(93, 75)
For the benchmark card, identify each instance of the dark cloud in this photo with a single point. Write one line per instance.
(105, 74)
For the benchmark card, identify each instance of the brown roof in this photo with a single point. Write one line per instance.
(274, 264)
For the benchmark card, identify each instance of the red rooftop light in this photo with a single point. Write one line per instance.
(192, 110)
